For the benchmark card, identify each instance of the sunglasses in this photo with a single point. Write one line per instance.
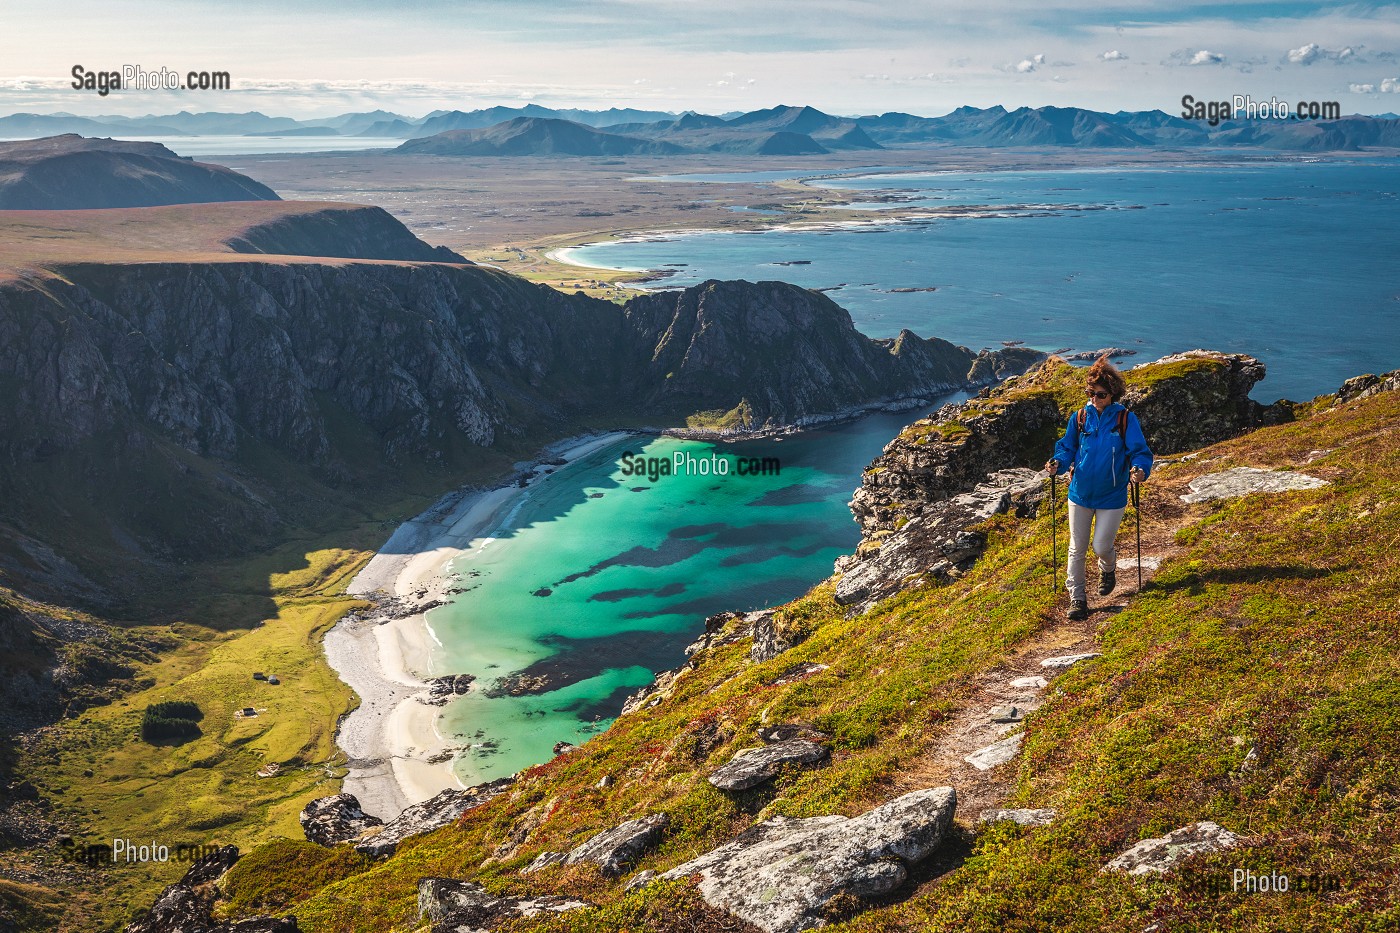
(1093, 394)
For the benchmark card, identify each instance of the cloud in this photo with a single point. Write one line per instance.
(1362, 88)
(1204, 57)
(1390, 86)
(1113, 55)
(1027, 65)
(1312, 52)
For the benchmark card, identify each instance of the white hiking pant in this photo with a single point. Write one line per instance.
(1105, 522)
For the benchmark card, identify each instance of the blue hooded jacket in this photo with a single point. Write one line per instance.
(1100, 458)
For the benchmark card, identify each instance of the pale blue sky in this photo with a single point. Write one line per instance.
(844, 56)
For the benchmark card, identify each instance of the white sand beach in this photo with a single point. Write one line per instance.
(396, 755)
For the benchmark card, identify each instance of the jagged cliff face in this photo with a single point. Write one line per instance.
(794, 352)
(178, 389)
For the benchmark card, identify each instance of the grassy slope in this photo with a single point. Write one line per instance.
(1256, 636)
(213, 625)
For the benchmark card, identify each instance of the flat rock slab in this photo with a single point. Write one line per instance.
(780, 874)
(998, 753)
(1067, 660)
(612, 850)
(1162, 854)
(1241, 481)
(1148, 563)
(327, 821)
(433, 813)
(465, 907)
(1024, 817)
(1006, 714)
(1029, 683)
(753, 766)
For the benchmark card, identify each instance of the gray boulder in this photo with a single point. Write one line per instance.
(465, 907)
(998, 753)
(328, 821)
(1241, 481)
(753, 766)
(612, 850)
(1163, 853)
(433, 813)
(768, 642)
(780, 874)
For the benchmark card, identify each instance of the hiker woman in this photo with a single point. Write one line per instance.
(1103, 450)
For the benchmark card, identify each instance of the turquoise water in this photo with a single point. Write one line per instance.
(1296, 263)
(597, 579)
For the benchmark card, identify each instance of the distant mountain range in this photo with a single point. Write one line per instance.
(784, 130)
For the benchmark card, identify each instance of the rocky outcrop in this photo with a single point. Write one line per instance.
(940, 543)
(753, 766)
(769, 640)
(187, 905)
(1161, 854)
(781, 874)
(429, 815)
(920, 501)
(612, 850)
(1359, 387)
(442, 689)
(949, 453)
(1196, 398)
(701, 347)
(339, 818)
(465, 907)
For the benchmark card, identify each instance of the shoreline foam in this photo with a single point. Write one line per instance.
(396, 754)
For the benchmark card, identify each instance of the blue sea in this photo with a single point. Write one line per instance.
(1296, 262)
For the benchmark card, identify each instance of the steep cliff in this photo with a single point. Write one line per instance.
(786, 354)
(214, 389)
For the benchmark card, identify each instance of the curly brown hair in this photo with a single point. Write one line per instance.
(1107, 377)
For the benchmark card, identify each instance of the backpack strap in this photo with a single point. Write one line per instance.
(1121, 426)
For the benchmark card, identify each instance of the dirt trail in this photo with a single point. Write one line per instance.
(973, 728)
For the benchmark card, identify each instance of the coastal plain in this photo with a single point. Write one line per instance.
(517, 212)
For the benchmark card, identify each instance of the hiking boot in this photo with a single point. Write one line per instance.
(1108, 582)
(1078, 610)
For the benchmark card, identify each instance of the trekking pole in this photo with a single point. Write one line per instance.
(1137, 515)
(1054, 538)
